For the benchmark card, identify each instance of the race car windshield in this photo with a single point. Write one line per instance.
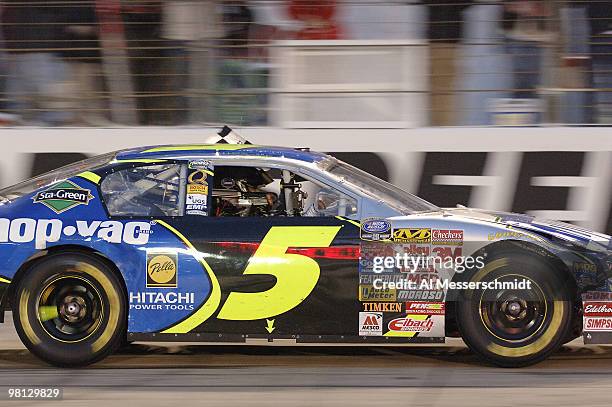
(51, 177)
(378, 189)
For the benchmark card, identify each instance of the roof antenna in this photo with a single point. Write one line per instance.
(229, 136)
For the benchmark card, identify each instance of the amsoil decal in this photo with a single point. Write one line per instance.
(370, 323)
(447, 237)
(63, 196)
(162, 270)
(411, 235)
(425, 308)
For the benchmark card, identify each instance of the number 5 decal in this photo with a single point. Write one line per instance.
(296, 275)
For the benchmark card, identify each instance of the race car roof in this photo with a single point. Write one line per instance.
(212, 150)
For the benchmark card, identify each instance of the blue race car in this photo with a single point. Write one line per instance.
(249, 244)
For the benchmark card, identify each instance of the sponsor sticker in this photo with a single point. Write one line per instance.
(382, 306)
(63, 196)
(583, 267)
(162, 270)
(375, 229)
(447, 237)
(43, 231)
(597, 296)
(412, 235)
(408, 324)
(149, 300)
(420, 295)
(370, 323)
(369, 293)
(424, 308)
(198, 189)
(597, 309)
(602, 324)
(200, 164)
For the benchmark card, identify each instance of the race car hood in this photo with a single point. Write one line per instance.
(546, 228)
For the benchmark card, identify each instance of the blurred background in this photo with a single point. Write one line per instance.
(409, 91)
(306, 63)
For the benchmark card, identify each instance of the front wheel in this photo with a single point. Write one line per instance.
(69, 309)
(513, 327)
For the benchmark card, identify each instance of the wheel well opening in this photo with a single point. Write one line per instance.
(40, 256)
(514, 246)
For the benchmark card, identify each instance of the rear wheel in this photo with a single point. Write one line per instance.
(70, 309)
(513, 327)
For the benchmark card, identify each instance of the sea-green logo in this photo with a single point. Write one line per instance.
(63, 196)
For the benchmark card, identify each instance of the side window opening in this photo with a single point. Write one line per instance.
(143, 191)
(252, 191)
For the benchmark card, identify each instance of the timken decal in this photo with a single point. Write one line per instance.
(63, 196)
(382, 306)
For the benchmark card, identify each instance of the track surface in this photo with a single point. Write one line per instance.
(154, 375)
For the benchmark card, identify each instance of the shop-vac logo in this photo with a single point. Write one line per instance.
(44, 231)
(63, 196)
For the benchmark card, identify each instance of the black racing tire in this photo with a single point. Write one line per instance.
(515, 328)
(70, 309)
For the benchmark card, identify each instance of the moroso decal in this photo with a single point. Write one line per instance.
(63, 196)
(296, 275)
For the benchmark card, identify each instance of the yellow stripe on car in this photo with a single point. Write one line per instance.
(212, 303)
(218, 147)
(349, 221)
(90, 176)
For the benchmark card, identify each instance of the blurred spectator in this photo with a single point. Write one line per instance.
(382, 19)
(37, 81)
(524, 23)
(600, 18)
(82, 52)
(239, 81)
(444, 31)
(142, 20)
(317, 19)
(188, 28)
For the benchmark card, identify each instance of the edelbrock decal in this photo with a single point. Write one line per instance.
(43, 231)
